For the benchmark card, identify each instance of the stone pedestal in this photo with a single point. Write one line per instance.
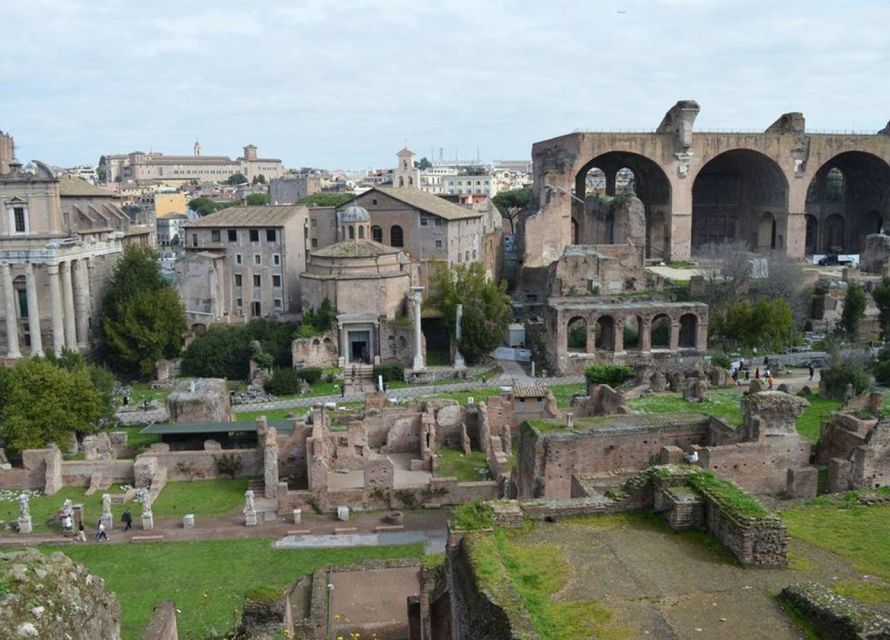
(148, 521)
(343, 513)
(25, 525)
(250, 519)
(298, 516)
(188, 521)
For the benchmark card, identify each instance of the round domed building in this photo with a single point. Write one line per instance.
(369, 284)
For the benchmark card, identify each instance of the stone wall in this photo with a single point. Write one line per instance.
(754, 541)
(760, 467)
(834, 616)
(318, 351)
(163, 623)
(203, 464)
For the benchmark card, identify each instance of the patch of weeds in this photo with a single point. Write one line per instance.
(732, 497)
(472, 516)
(870, 592)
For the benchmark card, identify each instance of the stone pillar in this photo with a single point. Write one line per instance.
(610, 181)
(646, 336)
(82, 302)
(701, 338)
(344, 347)
(416, 294)
(68, 299)
(33, 311)
(55, 299)
(618, 335)
(675, 335)
(12, 325)
(459, 362)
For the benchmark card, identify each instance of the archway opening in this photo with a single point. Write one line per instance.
(376, 233)
(576, 335)
(849, 196)
(660, 332)
(766, 232)
(622, 173)
(632, 333)
(605, 333)
(812, 234)
(730, 195)
(688, 331)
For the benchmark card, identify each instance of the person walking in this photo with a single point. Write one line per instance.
(757, 373)
(747, 375)
(812, 371)
(81, 534)
(101, 534)
(769, 382)
(735, 377)
(127, 519)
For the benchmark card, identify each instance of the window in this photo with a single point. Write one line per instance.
(276, 282)
(374, 201)
(424, 221)
(438, 222)
(237, 279)
(256, 281)
(194, 239)
(18, 214)
(271, 235)
(314, 243)
(237, 258)
(351, 232)
(254, 235)
(276, 259)
(277, 303)
(214, 235)
(257, 258)
(233, 235)
(376, 233)
(255, 308)
(396, 236)
(474, 254)
(467, 256)
(438, 244)
(239, 303)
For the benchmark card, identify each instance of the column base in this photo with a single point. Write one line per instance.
(25, 525)
(419, 364)
(148, 522)
(250, 519)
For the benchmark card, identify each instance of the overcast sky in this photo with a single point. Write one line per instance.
(346, 83)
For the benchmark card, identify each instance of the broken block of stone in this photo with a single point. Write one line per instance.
(298, 516)
(802, 482)
(188, 521)
(343, 513)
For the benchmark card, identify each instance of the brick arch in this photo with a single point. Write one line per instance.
(577, 328)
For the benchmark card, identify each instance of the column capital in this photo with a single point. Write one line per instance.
(52, 268)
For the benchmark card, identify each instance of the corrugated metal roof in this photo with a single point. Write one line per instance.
(268, 216)
(209, 427)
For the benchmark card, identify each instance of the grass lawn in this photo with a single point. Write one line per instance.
(564, 393)
(142, 392)
(453, 463)
(206, 580)
(45, 507)
(218, 497)
(722, 403)
(809, 423)
(857, 533)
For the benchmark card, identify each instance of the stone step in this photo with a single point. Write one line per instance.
(345, 530)
(142, 539)
(299, 532)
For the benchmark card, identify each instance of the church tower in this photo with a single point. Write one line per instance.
(406, 174)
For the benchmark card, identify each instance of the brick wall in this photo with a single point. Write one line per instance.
(760, 467)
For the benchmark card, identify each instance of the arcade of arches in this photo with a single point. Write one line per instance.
(584, 330)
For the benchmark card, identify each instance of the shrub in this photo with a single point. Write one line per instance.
(844, 371)
(473, 515)
(389, 372)
(310, 374)
(227, 464)
(610, 374)
(721, 360)
(284, 382)
(225, 351)
(881, 366)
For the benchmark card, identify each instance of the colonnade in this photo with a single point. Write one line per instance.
(69, 299)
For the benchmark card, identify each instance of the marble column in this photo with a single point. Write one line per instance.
(68, 299)
(416, 294)
(55, 300)
(33, 311)
(12, 325)
(82, 302)
(459, 362)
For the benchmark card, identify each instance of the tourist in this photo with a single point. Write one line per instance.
(81, 534)
(812, 370)
(769, 382)
(747, 374)
(101, 534)
(735, 376)
(67, 523)
(765, 361)
(757, 373)
(127, 519)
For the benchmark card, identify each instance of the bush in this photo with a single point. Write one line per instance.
(284, 382)
(225, 351)
(610, 374)
(721, 360)
(227, 464)
(472, 516)
(389, 372)
(844, 371)
(310, 374)
(881, 366)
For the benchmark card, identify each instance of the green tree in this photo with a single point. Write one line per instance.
(257, 199)
(513, 202)
(766, 324)
(259, 179)
(225, 351)
(486, 307)
(204, 206)
(142, 317)
(236, 179)
(854, 310)
(327, 199)
(46, 403)
(422, 164)
(881, 295)
(102, 169)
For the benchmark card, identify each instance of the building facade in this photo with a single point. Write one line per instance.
(53, 267)
(265, 252)
(292, 189)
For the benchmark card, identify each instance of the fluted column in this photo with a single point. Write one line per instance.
(12, 325)
(68, 300)
(33, 311)
(418, 342)
(55, 300)
(82, 302)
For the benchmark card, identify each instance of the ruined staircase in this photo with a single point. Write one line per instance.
(362, 381)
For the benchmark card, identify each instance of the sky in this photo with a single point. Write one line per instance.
(347, 83)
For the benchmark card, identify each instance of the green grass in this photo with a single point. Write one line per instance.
(218, 497)
(722, 403)
(45, 507)
(809, 423)
(867, 592)
(453, 463)
(142, 392)
(856, 533)
(207, 580)
(472, 516)
(564, 393)
(731, 496)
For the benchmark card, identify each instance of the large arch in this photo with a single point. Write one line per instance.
(576, 335)
(623, 172)
(849, 198)
(730, 195)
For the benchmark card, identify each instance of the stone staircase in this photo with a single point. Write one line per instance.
(362, 382)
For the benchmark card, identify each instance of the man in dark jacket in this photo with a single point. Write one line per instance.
(127, 519)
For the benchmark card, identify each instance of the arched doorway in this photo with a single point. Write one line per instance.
(574, 231)
(850, 196)
(812, 236)
(376, 233)
(619, 173)
(730, 195)
(688, 331)
(605, 333)
(576, 335)
(766, 232)
(632, 333)
(660, 332)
